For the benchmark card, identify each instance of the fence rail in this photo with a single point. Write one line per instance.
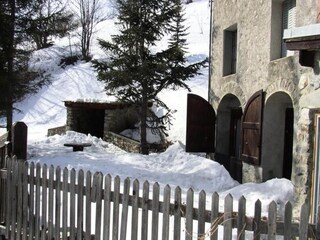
(53, 203)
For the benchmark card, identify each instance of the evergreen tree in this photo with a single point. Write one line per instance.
(47, 19)
(134, 73)
(15, 78)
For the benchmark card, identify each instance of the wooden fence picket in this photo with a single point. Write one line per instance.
(51, 202)
(227, 219)
(37, 207)
(304, 217)
(14, 199)
(116, 203)
(257, 220)
(72, 204)
(57, 203)
(31, 202)
(214, 219)
(88, 205)
(189, 214)
(106, 203)
(287, 221)
(125, 208)
(201, 214)
(135, 210)
(272, 218)
(241, 219)
(144, 207)
(177, 214)
(65, 205)
(44, 202)
(20, 201)
(25, 200)
(98, 199)
(8, 201)
(80, 205)
(155, 211)
(166, 212)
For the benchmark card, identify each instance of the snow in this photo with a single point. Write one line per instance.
(174, 167)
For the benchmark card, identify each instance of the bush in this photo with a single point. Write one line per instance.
(70, 60)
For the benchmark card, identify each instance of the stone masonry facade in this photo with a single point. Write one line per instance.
(259, 65)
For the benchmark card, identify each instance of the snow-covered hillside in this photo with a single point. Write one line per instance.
(46, 108)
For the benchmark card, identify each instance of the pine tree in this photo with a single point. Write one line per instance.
(47, 19)
(134, 73)
(15, 78)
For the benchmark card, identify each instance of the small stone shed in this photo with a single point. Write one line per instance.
(99, 118)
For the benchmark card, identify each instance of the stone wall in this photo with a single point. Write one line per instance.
(57, 130)
(123, 142)
(120, 119)
(72, 114)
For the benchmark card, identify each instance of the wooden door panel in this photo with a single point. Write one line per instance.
(252, 129)
(200, 125)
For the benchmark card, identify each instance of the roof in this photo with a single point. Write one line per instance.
(96, 105)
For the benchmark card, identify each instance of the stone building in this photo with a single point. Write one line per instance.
(99, 118)
(265, 90)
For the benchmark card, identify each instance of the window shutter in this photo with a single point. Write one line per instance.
(252, 129)
(288, 20)
(289, 14)
(200, 125)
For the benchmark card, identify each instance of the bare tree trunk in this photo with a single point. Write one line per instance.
(143, 126)
(88, 18)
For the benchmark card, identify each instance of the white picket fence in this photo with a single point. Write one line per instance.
(50, 203)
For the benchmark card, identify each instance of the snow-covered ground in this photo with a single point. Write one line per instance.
(175, 167)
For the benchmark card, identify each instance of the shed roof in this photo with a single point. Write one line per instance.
(96, 105)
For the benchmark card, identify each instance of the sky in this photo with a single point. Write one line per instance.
(175, 167)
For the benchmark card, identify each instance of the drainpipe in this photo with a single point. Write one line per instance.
(210, 45)
(318, 16)
(210, 155)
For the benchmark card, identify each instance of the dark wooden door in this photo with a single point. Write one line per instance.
(252, 129)
(201, 119)
(234, 146)
(288, 144)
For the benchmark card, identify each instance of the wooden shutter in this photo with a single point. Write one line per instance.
(252, 129)
(200, 125)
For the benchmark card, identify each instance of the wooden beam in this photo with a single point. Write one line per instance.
(303, 45)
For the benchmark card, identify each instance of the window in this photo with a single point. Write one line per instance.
(283, 17)
(288, 21)
(230, 51)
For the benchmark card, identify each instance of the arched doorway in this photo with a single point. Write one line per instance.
(228, 135)
(277, 137)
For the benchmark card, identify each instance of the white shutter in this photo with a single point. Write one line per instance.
(289, 14)
(288, 21)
